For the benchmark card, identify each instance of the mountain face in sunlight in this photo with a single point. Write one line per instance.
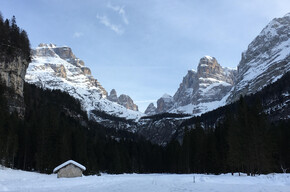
(55, 67)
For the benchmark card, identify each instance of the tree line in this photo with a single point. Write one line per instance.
(51, 133)
(240, 137)
(244, 141)
(14, 41)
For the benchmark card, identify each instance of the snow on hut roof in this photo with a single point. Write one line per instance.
(67, 163)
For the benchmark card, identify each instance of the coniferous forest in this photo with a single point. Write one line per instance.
(245, 141)
(14, 41)
(55, 129)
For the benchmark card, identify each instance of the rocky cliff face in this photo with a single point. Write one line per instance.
(113, 96)
(127, 102)
(151, 109)
(12, 75)
(266, 59)
(123, 100)
(200, 91)
(55, 56)
(56, 67)
(205, 89)
(164, 103)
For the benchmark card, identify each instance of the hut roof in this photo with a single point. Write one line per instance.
(67, 163)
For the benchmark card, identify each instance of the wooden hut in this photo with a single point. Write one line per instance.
(69, 169)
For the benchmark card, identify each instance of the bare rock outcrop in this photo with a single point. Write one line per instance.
(198, 90)
(151, 109)
(123, 100)
(113, 96)
(266, 59)
(164, 103)
(12, 75)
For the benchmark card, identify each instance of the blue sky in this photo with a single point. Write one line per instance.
(144, 48)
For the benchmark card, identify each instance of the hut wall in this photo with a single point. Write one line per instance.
(69, 171)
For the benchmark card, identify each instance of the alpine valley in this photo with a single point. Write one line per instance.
(265, 61)
(219, 120)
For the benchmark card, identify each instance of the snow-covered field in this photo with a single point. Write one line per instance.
(15, 180)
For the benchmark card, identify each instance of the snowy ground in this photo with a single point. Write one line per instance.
(15, 180)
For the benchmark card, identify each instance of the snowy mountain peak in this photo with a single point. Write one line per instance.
(199, 91)
(151, 109)
(164, 103)
(267, 58)
(46, 45)
(54, 67)
(205, 89)
(64, 64)
(208, 66)
(113, 96)
(208, 57)
(166, 96)
(276, 27)
(123, 100)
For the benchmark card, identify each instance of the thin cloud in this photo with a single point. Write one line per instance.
(120, 10)
(77, 34)
(145, 101)
(105, 21)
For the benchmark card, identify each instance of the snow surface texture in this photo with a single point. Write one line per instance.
(49, 71)
(15, 180)
(67, 163)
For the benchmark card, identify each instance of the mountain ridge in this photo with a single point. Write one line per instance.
(56, 67)
(266, 60)
(199, 89)
(124, 100)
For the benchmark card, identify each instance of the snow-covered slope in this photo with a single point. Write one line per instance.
(266, 59)
(55, 67)
(16, 180)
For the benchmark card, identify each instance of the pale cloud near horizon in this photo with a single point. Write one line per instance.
(145, 101)
(120, 10)
(77, 34)
(106, 21)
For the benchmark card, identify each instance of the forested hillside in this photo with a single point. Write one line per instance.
(250, 135)
(14, 41)
(52, 133)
